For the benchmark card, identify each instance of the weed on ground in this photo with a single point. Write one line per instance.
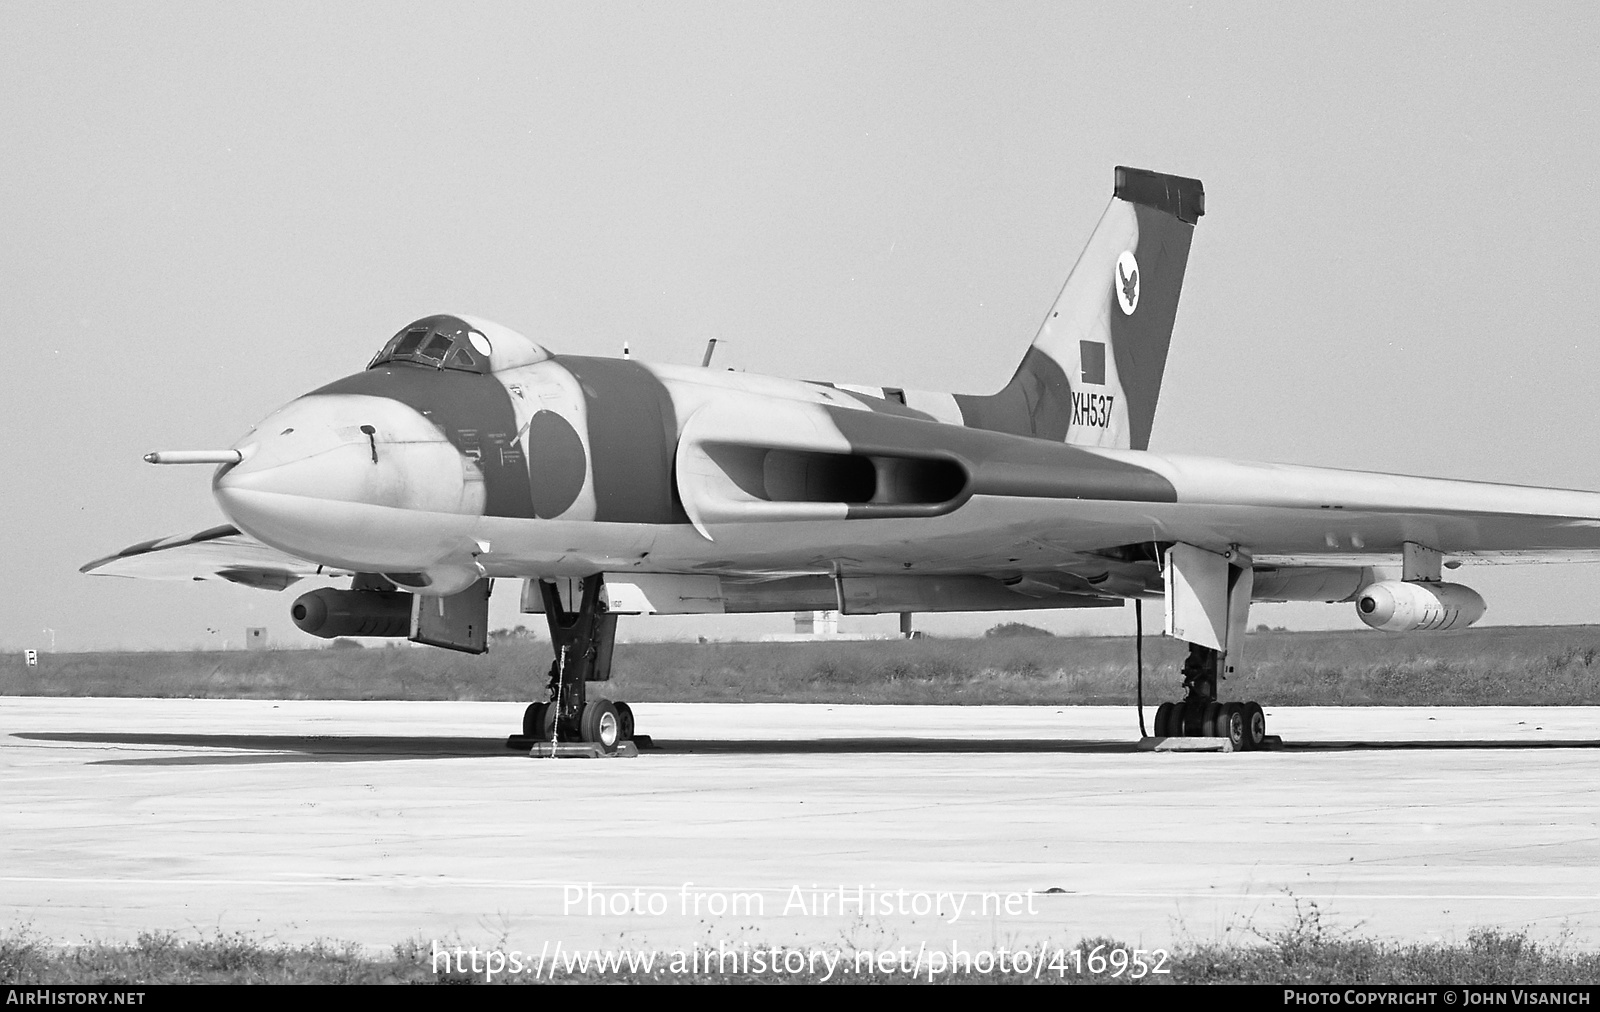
(1307, 951)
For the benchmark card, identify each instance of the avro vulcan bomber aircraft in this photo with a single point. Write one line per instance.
(467, 453)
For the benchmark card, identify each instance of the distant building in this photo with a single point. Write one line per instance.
(255, 638)
(816, 623)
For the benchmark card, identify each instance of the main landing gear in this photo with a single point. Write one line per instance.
(1200, 715)
(583, 640)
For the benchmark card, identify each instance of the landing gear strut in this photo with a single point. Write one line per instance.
(583, 640)
(1200, 715)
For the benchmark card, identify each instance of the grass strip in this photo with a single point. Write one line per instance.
(1302, 954)
(1534, 666)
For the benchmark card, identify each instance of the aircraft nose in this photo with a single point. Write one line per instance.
(361, 479)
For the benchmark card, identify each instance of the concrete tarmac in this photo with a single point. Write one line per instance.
(867, 826)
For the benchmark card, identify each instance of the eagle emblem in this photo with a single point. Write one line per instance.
(1127, 283)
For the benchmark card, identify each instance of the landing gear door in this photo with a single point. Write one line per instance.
(1197, 596)
(1241, 584)
(458, 622)
(1208, 599)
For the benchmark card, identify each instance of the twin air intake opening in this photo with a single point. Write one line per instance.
(866, 485)
(750, 462)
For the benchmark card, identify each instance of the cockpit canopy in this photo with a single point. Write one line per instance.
(463, 343)
(443, 342)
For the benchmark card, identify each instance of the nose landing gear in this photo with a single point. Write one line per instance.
(583, 641)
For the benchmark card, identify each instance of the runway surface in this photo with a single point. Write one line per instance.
(378, 822)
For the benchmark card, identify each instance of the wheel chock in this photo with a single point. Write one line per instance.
(1176, 743)
(523, 743)
(581, 750)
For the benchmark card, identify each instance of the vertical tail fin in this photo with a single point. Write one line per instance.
(1094, 371)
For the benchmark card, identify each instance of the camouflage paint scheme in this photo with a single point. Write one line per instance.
(489, 455)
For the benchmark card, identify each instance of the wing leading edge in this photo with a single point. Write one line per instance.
(1289, 514)
(219, 553)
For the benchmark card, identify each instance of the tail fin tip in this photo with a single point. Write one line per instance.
(1179, 196)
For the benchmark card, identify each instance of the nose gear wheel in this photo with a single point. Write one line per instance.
(583, 640)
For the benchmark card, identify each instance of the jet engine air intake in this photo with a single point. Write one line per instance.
(817, 476)
(749, 460)
(1399, 606)
(331, 613)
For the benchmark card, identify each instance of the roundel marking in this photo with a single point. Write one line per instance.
(557, 464)
(1127, 282)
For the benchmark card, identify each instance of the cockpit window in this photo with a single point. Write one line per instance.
(441, 342)
(437, 348)
(408, 341)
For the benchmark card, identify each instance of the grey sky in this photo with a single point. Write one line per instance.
(209, 209)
